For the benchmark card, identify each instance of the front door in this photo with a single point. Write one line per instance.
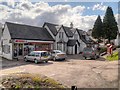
(76, 49)
(18, 49)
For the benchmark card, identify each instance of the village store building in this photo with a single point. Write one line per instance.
(19, 40)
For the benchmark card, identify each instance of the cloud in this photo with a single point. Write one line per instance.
(99, 7)
(37, 13)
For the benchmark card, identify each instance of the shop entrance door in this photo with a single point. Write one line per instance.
(18, 50)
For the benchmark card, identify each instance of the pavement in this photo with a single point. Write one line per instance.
(73, 71)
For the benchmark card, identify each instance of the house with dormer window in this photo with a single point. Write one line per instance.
(67, 39)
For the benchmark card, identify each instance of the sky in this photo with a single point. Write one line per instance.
(82, 13)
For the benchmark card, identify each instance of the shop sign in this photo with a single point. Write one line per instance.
(20, 41)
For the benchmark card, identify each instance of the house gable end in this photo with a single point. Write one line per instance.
(6, 32)
(47, 28)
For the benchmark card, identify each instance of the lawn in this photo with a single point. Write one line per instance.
(113, 57)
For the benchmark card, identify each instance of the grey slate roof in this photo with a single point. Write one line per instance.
(72, 42)
(54, 30)
(19, 31)
(52, 27)
(68, 31)
(82, 37)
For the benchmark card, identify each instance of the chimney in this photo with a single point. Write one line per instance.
(71, 25)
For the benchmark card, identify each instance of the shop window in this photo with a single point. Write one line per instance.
(6, 49)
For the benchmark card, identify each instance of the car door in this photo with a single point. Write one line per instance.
(37, 56)
(31, 56)
(53, 54)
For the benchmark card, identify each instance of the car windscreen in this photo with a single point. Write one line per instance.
(87, 49)
(58, 51)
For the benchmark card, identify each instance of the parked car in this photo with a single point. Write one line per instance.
(38, 56)
(89, 52)
(58, 55)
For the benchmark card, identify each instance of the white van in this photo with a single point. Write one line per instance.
(38, 56)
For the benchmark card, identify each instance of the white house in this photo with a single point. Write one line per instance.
(68, 39)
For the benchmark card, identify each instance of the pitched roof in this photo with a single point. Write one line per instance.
(68, 31)
(72, 42)
(82, 37)
(19, 31)
(52, 27)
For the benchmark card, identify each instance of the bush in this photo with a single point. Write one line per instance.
(99, 41)
(103, 49)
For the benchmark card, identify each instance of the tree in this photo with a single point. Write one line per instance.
(97, 31)
(109, 25)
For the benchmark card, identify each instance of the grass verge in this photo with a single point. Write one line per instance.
(113, 57)
(27, 80)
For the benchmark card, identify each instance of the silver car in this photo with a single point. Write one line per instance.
(38, 56)
(89, 52)
(58, 55)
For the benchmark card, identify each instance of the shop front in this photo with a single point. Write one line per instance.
(24, 47)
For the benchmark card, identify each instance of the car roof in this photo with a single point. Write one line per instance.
(39, 51)
(57, 50)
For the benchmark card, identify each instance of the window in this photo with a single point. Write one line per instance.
(32, 54)
(37, 54)
(83, 36)
(61, 35)
(44, 54)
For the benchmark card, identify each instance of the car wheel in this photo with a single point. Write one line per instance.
(54, 59)
(95, 57)
(46, 61)
(25, 59)
(36, 61)
(98, 56)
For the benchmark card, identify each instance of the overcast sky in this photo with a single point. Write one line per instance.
(82, 14)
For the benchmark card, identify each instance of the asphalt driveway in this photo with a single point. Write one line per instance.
(74, 71)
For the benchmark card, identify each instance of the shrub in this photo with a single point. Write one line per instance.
(103, 49)
(99, 41)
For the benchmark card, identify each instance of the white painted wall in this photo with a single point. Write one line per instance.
(70, 50)
(6, 39)
(54, 37)
(117, 40)
(82, 44)
(65, 38)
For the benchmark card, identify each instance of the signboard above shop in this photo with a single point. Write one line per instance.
(20, 41)
(32, 41)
